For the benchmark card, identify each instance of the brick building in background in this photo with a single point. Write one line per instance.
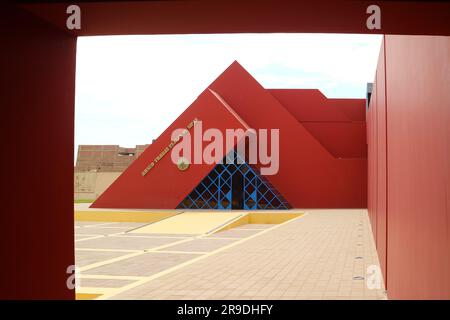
(106, 158)
(97, 166)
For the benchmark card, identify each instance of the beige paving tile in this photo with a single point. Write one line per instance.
(99, 230)
(84, 258)
(84, 236)
(234, 233)
(159, 235)
(104, 283)
(129, 225)
(127, 243)
(142, 265)
(200, 245)
(258, 226)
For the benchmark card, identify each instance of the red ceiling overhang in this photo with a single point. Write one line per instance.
(223, 16)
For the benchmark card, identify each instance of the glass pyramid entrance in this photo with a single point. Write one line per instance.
(234, 185)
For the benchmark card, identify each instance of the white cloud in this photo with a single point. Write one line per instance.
(130, 88)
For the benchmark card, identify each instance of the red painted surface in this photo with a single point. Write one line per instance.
(223, 16)
(37, 80)
(309, 105)
(377, 169)
(371, 163)
(306, 169)
(417, 202)
(351, 107)
(381, 216)
(338, 124)
(341, 139)
(165, 186)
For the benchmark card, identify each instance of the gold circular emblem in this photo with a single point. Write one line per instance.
(182, 164)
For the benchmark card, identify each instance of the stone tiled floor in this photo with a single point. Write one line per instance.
(234, 233)
(83, 236)
(142, 265)
(253, 226)
(155, 235)
(85, 258)
(105, 283)
(201, 245)
(99, 230)
(312, 257)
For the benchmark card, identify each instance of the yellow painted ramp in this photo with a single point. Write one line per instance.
(191, 223)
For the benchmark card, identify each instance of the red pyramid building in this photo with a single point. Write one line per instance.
(322, 160)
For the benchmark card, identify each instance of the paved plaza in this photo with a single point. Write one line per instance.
(323, 254)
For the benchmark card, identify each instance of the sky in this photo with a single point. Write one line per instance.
(129, 89)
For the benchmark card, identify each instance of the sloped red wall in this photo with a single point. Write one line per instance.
(412, 109)
(164, 186)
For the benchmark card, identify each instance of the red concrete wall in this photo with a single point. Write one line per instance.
(377, 170)
(417, 166)
(309, 105)
(37, 79)
(371, 161)
(338, 124)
